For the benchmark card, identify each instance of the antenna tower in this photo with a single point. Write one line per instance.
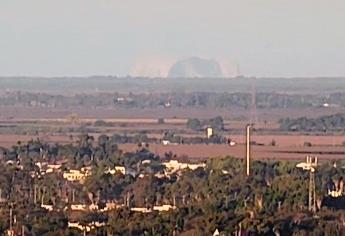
(310, 165)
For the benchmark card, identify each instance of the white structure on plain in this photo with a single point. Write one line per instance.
(209, 132)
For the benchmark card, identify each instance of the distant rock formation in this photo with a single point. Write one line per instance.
(195, 67)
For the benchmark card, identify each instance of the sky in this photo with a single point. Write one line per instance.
(286, 38)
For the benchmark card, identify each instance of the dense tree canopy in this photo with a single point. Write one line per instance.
(220, 196)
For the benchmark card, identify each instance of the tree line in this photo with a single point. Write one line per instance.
(328, 123)
(178, 99)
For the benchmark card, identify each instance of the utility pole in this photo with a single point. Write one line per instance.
(312, 191)
(248, 149)
(35, 191)
(128, 200)
(42, 197)
(312, 195)
(11, 216)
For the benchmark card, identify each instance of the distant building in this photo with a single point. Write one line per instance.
(48, 168)
(155, 208)
(146, 162)
(165, 142)
(111, 206)
(54, 167)
(216, 233)
(120, 99)
(167, 105)
(47, 207)
(209, 132)
(164, 208)
(141, 209)
(76, 175)
(88, 227)
(231, 143)
(335, 190)
(84, 207)
(173, 166)
(117, 169)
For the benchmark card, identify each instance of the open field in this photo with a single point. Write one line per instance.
(8, 140)
(97, 84)
(288, 147)
(54, 125)
(293, 140)
(203, 151)
(234, 114)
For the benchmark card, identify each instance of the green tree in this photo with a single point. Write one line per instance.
(194, 124)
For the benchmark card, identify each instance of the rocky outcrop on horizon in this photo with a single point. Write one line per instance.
(195, 67)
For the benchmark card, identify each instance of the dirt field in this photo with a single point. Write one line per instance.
(9, 140)
(203, 151)
(287, 146)
(234, 114)
(293, 140)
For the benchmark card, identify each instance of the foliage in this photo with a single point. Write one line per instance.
(273, 199)
(329, 123)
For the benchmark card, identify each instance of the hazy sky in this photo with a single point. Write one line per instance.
(118, 37)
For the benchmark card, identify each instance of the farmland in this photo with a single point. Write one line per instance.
(268, 143)
(160, 107)
(115, 150)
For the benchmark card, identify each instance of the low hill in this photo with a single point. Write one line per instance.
(195, 67)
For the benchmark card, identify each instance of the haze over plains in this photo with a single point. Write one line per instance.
(287, 38)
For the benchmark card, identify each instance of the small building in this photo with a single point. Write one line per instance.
(48, 168)
(167, 104)
(164, 208)
(173, 166)
(165, 142)
(209, 132)
(86, 228)
(120, 99)
(146, 162)
(161, 208)
(111, 206)
(54, 167)
(117, 169)
(231, 142)
(76, 175)
(216, 233)
(334, 193)
(47, 207)
(78, 207)
(141, 209)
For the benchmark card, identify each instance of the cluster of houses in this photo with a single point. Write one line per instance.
(86, 227)
(174, 166)
(72, 175)
(80, 175)
(171, 167)
(111, 206)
